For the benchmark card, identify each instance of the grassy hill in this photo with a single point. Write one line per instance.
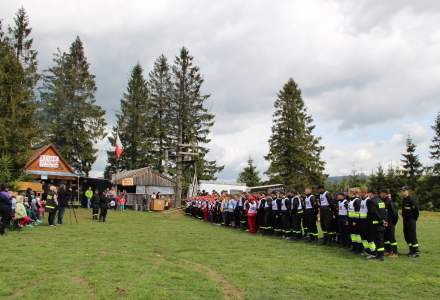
(169, 256)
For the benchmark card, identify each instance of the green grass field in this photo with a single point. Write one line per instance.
(169, 256)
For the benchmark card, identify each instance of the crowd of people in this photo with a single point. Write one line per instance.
(360, 220)
(27, 209)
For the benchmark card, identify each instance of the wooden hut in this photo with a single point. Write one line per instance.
(140, 184)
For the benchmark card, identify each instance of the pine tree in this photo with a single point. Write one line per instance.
(17, 128)
(377, 181)
(294, 152)
(193, 120)
(249, 175)
(435, 147)
(163, 112)
(75, 123)
(22, 43)
(412, 167)
(134, 126)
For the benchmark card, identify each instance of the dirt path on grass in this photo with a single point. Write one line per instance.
(230, 291)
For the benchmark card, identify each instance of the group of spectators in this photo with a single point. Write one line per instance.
(360, 219)
(27, 209)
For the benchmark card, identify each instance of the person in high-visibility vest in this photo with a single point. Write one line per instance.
(354, 205)
(343, 224)
(297, 213)
(310, 215)
(89, 196)
(410, 214)
(377, 215)
(363, 223)
(52, 204)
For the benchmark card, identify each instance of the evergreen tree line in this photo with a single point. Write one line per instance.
(59, 106)
(294, 157)
(423, 180)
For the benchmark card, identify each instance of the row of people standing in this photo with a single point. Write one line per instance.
(362, 220)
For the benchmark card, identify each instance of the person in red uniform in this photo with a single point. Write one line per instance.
(252, 214)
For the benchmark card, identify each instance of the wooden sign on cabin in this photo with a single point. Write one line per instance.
(128, 181)
(47, 163)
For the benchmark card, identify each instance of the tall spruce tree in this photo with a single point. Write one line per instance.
(249, 174)
(435, 146)
(412, 167)
(75, 123)
(294, 152)
(17, 124)
(193, 120)
(163, 111)
(21, 40)
(134, 126)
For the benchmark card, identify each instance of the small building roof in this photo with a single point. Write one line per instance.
(48, 161)
(144, 176)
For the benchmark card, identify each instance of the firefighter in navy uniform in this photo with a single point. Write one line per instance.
(260, 214)
(410, 214)
(377, 216)
(343, 224)
(285, 215)
(276, 213)
(353, 217)
(268, 227)
(310, 214)
(325, 215)
(390, 230)
(296, 216)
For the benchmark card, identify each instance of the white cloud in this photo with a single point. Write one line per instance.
(368, 69)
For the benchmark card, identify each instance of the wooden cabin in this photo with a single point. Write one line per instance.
(141, 183)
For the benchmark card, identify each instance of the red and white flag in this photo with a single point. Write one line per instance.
(119, 148)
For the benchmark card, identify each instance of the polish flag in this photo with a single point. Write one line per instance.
(119, 149)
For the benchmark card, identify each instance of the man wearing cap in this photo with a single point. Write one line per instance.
(390, 230)
(410, 214)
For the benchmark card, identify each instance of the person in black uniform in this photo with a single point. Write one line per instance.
(52, 204)
(326, 215)
(410, 214)
(260, 214)
(310, 214)
(354, 206)
(285, 215)
(276, 213)
(63, 201)
(343, 223)
(268, 224)
(390, 230)
(296, 216)
(95, 205)
(103, 205)
(377, 215)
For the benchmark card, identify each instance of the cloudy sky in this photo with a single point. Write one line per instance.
(369, 70)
